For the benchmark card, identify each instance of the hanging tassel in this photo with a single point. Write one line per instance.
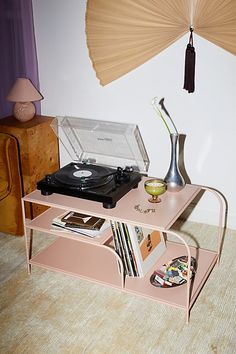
(189, 73)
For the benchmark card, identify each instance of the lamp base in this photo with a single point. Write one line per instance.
(24, 111)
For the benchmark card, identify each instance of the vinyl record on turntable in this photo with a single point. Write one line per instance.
(84, 176)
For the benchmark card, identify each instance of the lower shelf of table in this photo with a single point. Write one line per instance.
(100, 265)
(175, 296)
(81, 259)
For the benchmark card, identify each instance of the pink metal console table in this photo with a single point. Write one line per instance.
(96, 260)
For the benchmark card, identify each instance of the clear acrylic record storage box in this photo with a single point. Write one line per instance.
(95, 259)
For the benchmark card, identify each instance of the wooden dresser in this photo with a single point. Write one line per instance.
(38, 156)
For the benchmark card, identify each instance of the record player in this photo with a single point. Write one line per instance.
(108, 160)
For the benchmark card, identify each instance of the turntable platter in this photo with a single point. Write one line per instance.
(84, 176)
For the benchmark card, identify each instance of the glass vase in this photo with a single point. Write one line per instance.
(173, 178)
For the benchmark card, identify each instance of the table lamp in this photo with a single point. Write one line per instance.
(23, 93)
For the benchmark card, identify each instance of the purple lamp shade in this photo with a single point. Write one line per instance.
(24, 93)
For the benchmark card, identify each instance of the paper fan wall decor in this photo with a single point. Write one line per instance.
(121, 35)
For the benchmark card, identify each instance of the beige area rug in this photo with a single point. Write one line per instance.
(54, 313)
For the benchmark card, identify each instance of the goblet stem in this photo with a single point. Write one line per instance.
(155, 199)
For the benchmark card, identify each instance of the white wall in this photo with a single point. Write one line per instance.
(207, 117)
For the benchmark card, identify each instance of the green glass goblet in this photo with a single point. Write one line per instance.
(155, 187)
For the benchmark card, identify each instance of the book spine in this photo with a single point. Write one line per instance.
(71, 229)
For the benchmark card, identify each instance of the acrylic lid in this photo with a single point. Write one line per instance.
(101, 142)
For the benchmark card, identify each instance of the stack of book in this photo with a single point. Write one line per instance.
(85, 225)
(139, 248)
